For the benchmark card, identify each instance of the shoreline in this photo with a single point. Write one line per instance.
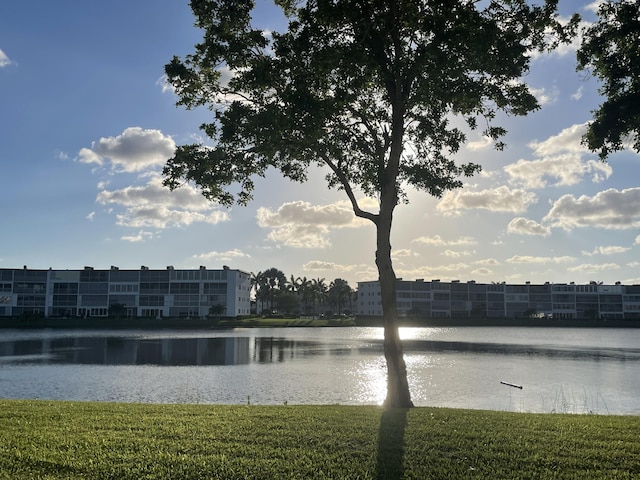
(502, 322)
(258, 322)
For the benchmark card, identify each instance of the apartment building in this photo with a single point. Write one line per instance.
(135, 293)
(455, 299)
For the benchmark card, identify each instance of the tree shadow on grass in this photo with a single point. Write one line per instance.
(391, 444)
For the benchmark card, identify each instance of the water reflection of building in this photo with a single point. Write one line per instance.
(130, 351)
(137, 293)
(456, 299)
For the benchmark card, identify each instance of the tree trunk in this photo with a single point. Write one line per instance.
(398, 395)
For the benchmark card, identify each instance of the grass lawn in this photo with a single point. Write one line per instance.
(55, 440)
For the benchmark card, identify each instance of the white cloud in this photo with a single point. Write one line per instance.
(154, 205)
(457, 268)
(568, 140)
(483, 144)
(233, 254)
(594, 268)
(539, 260)
(451, 271)
(154, 193)
(637, 241)
(139, 237)
(133, 150)
(562, 50)
(610, 250)
(487, 261)
(457, 253)
(501, 199)
(567, 169)
(438, 241)
(91, 216)
(524, 226)
(318, 266)
(165, 85)
(594, 6)
(578, 93)
(544, 96)
(161, 216)
(4, 60)
(482, 271)
(303, 225)
(609, 209)
(301, 236)
(403, 252)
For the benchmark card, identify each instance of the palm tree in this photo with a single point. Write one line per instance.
(339, 293)
(305, 291)
(293, 284)
(258, 285)
(274, 280)
(254, 281)
(318, 292)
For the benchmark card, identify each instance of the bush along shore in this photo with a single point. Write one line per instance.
(86, 440)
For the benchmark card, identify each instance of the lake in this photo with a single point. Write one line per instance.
(566, 370)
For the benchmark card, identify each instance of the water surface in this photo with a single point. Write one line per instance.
(562, 370)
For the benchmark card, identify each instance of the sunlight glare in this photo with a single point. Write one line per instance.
(370, 382)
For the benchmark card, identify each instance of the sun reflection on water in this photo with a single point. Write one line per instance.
(416, 333)
(370, 381)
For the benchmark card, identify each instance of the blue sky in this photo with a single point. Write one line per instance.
(86, 123)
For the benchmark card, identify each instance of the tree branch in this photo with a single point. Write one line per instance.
(349, 191)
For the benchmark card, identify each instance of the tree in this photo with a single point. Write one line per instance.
(117, 310)
(293, 284)
(610, 50)
(217, 310)
(304, 289)
(254, 281)
(258, 285)
(287, 302)
(339, 293)
(318, 293)
(273, 279)
(366, 89)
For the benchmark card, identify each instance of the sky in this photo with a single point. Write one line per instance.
(87, 122)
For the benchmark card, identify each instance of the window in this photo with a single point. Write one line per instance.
(65, 300)
(154, 276)
(128, 300)
(94, 300)
(65, 288)
(94, 287)
(151, 300)
(154, 288)
(123, 288)
(31, 300)
(185, 275)
(94, 276)
(24, 287)
(132, 276)
(185, 288)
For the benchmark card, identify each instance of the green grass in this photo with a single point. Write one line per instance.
(54, 440)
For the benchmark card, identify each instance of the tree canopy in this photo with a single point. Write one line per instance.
(611, 51)
(379, 93)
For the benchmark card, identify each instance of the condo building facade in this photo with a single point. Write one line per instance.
(135, 293)
(455, 299)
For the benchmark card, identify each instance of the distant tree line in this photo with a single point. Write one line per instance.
(275, 293)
